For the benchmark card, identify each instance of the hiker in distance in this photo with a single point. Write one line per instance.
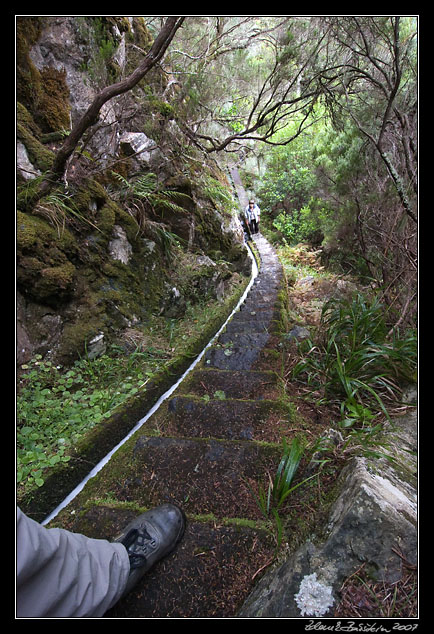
(253, 215)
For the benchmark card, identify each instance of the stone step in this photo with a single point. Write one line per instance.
(202, 476)
(256, 305)
(224, 418)
(216, 562)
(252, 317)
(204, 449)
(261, 324)
(244, 340)
(239, 358)
(260, 302)
(238, 385)
(267, 281)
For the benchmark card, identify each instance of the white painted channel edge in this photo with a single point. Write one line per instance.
(155, 407)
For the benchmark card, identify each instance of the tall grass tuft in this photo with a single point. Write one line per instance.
(354, 363)
(271, 498)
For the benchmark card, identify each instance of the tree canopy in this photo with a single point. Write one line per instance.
(336, 94)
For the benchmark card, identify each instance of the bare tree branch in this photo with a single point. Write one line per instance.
(90, 117)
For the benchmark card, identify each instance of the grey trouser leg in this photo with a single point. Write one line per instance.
(64, 574)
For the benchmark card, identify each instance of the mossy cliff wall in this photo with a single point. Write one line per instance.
(90, 258)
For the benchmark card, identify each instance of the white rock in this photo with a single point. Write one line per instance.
(138, 144)
(120, 248)
(24, 166)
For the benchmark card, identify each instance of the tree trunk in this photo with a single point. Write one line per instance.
(90, 117)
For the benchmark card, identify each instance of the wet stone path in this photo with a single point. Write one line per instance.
(204, 449)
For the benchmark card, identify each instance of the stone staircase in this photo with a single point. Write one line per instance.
(204, 449)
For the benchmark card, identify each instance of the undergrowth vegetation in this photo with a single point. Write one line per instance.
(354, 367)
(270, 498)
(354, 363)
(56, 406)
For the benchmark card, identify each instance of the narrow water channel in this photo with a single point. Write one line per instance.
(165, 396)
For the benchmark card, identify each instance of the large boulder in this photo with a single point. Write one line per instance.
(374, 520)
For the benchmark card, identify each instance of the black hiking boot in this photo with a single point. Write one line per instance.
(149, 538)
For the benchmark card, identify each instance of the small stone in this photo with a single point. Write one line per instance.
(298, 332)
(96, 347)
(120, 248)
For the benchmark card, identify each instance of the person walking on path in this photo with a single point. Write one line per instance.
(253, 216)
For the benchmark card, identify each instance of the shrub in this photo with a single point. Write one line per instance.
(356, 364)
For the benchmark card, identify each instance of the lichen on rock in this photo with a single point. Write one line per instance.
(313, 598)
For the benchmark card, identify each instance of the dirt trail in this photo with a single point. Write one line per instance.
(216, 436)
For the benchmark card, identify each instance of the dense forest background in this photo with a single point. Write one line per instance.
(128, 231)
(322, 112)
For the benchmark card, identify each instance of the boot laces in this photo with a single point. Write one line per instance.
(138, 543)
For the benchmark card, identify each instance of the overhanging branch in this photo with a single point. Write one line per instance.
(90, 117)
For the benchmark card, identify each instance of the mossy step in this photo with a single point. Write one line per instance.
(244, 340)
(270, 264)
(202, 476)
(265, 324)
(209, 575)
(268, 281)
(266, 302)
(262, 293)
(231, 419)
(252, 315)
(241, 385)
(270, 272)
(238, 358)
(260, 303)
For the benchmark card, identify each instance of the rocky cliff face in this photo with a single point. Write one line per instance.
(142, 224)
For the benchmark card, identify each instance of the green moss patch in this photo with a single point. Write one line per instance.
(224, 418)
(214, 568)
(150, 470)
(241, 384)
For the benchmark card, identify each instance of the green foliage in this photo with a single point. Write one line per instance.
(145, 190)
(98, 31)
(271, 498)
(218, 193)
(233, 113)
(290, 190)
(142, 197)
(356, 365)
(106, 49)
(313, 219)
(339, 155)
(55, 408)
(286, 180)
(59, 207)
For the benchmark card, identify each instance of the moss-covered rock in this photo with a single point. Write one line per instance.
(45, 272)
(54, 108)
(40, 156)
(37, 234)
(66, 260)
(28, 29)
(44, 92)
